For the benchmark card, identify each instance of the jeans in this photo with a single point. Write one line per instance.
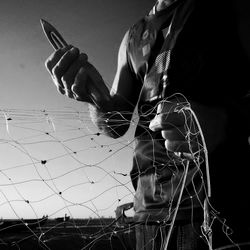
(183, 237)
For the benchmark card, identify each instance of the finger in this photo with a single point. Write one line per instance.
(55, 57)
(187, 156)
(175, 134)
(69, 77)
(182, 146)
(166, 107)
(99, 91)
(64, 63)
(88, 86)
(167, 121)
(79, 87)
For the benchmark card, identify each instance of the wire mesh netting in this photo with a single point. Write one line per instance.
(63, 184)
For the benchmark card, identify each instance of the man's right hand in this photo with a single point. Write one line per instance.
(75, 77)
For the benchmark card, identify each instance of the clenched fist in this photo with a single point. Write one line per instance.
(189, 127)
(75, 77)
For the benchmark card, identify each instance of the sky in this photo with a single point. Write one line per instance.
(95, 26)
(37, 142)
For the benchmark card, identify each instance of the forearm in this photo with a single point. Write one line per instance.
(113, 118)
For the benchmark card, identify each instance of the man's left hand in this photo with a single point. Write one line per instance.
(184, 125)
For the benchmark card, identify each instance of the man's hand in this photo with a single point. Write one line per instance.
(172, 120)
(75, 77)
(184, 125)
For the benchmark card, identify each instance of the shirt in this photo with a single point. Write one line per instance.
(199, 49)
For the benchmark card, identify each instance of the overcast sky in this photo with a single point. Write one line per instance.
(96, 27)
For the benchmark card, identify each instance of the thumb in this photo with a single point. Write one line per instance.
(90, 87)
(79, 87)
